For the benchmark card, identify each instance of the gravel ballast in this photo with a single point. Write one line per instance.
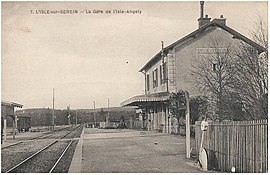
(44, 161)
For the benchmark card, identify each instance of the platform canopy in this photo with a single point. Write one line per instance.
(12, 104)
(141, 99)
(7, 108)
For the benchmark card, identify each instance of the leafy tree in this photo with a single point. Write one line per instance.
(198, 108)
(177, 104)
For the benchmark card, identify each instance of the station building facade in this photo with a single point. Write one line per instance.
(169, 70)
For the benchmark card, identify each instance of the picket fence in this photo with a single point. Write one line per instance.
(239, 144)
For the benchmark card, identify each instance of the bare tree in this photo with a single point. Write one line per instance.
(251, 81)
(252, 75)
(212, 72)
(234, 78)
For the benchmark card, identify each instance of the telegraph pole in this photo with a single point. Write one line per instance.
(76, 116)
(95, 113)
(53, 111)
(108, 109)
(68, 107)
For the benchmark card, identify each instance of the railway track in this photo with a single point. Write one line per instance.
(47, 159)
(36, 138)
(49, 133)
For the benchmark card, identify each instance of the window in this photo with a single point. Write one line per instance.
(155, 78)
(147, 82)
(214, 67)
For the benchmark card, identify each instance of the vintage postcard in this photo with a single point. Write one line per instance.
(134, 87)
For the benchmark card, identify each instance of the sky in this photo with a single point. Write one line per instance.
(91, 57)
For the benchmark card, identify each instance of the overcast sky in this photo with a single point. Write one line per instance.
(93, 57)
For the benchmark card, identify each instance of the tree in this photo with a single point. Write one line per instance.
(198, 108)
(252, 74)
(212, 73)
(234, 78)
(177, 104)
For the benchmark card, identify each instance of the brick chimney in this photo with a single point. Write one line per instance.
(220, 20)
(203, 20)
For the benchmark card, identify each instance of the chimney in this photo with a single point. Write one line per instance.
(203, 20)
(220, 20)
(202, 3)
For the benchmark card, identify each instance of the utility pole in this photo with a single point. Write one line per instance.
(108, 109)
(95, 114)
(68, 108)
(76, 116)
(187, 126)
(53, 111)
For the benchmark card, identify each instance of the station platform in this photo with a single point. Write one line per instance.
(130, 151)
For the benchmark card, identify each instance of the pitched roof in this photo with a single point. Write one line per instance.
(198, 31)
(6, 103)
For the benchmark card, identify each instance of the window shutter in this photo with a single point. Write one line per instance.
(153, 79)
(147, 82)
(160, 73)
(157, 77)
(165, 72)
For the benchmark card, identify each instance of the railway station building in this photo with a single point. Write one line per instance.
(169, 70)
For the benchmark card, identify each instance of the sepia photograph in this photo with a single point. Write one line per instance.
(134, 87)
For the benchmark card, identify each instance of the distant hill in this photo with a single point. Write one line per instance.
(43, 116)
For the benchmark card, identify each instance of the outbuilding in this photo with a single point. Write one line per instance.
(8, 110)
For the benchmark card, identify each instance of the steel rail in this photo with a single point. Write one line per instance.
(17, 143)
(36, 153)
(35, 138)
(63, 153)
(49, 133)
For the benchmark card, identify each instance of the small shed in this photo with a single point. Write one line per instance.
(7, 110)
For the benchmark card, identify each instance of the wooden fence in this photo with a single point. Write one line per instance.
(239, 144)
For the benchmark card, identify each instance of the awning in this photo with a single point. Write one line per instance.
(140, 99)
